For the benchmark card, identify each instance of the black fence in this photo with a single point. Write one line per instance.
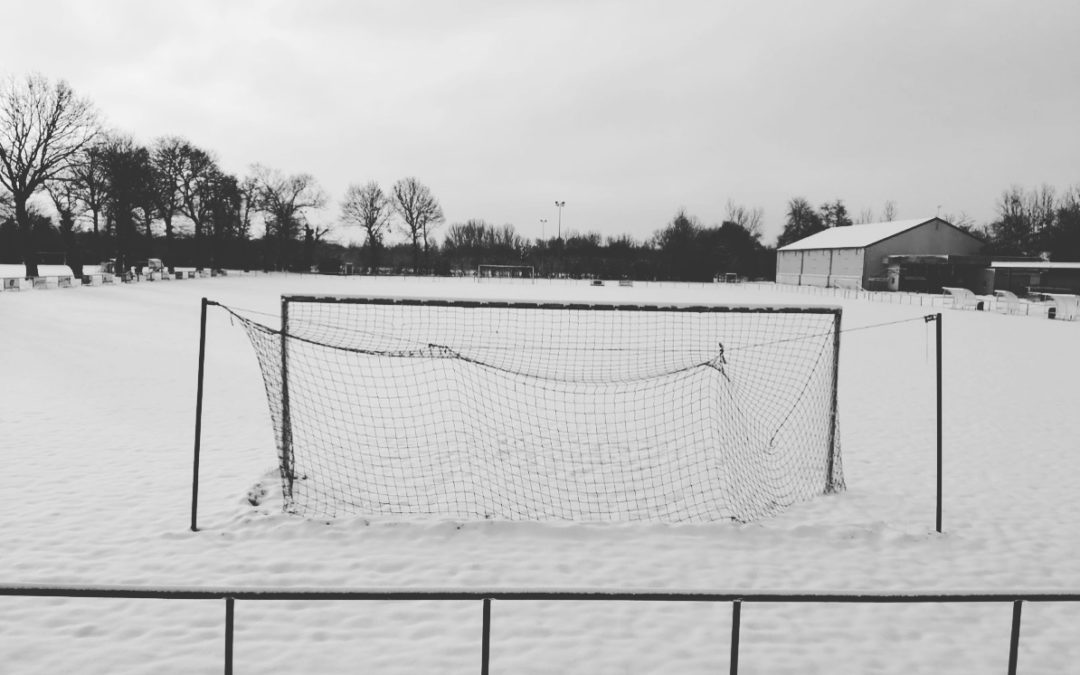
(737, 600)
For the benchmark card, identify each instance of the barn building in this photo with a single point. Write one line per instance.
(856, 256)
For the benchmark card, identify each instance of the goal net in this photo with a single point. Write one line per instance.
(504, 272)
(474, 410)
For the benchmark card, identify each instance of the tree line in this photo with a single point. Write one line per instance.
(113, 197)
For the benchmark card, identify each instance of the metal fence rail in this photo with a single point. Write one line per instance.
(486, 596)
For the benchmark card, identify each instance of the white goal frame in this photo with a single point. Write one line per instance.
(288, 461)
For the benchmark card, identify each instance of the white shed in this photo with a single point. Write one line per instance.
(854, 256)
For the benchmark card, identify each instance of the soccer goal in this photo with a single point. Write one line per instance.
(471, 410)
(504, 272)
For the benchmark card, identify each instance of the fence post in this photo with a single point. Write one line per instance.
(736, 618)
(229, 618)
(937, 322)
(1014, 640)
(198, 418)
(485, 644)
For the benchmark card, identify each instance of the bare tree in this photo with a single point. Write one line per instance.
(420, 212)
(286, 200)
(834, 214)
(1040, 206)
(961, 220)
(88, 174)
(196, 179)
(802, 221)
(249, 204)
(865, 216)
(167, 158)
(749, 219)
(888, 212)
(7, 205)
(368, 206)
(43, 126)
(126, 167)
(65, 195)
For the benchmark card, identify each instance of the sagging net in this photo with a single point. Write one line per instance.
(470, 411)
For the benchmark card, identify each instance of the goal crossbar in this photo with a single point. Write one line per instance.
(502, 303)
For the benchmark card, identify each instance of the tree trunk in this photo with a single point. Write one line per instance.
(71, 247)
(309, 248)
(168, 241)
(26, 230)
(373, 251)
(198, 245)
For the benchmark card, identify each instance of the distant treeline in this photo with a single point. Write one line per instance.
(111, 197)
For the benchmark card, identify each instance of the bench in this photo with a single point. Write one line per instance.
(98, 278)
(962, 298)
(1066, 306)
(1007, 302)
(54, 282)
(597, 282)
(625, 282)
(16, 283)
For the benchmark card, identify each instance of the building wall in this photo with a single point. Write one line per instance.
(789, 267)
(815, 268)
(932, 238)
(840, 267)
(847, 267)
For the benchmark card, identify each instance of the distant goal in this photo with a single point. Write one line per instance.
(504, 272)
(474, 410)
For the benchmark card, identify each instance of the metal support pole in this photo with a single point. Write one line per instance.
(736, 619)
(485, 644)
(198, 417)
(939, 435)
(830, 484)
(286, 413)
(1014, 640)
(230, 612)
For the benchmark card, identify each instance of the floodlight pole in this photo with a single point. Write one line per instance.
(198, 415)
(559, 205)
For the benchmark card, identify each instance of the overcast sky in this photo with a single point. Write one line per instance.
(626, 110)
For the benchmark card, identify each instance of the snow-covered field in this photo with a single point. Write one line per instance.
(97, 391)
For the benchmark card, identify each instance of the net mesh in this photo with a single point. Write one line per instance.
(548, 412)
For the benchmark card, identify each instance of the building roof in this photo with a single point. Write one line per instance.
(1035, 265)
(855, 236)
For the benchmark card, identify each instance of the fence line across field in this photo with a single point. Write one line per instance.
(486, 596)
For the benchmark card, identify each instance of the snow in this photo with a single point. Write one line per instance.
(854, 236)
(96, 430)
(8, 271)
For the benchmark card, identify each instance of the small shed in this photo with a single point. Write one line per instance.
(855, 256)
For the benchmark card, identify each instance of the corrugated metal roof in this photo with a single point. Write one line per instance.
(854, 236)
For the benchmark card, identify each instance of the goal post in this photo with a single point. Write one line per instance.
(505, 272)
(473, 409)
